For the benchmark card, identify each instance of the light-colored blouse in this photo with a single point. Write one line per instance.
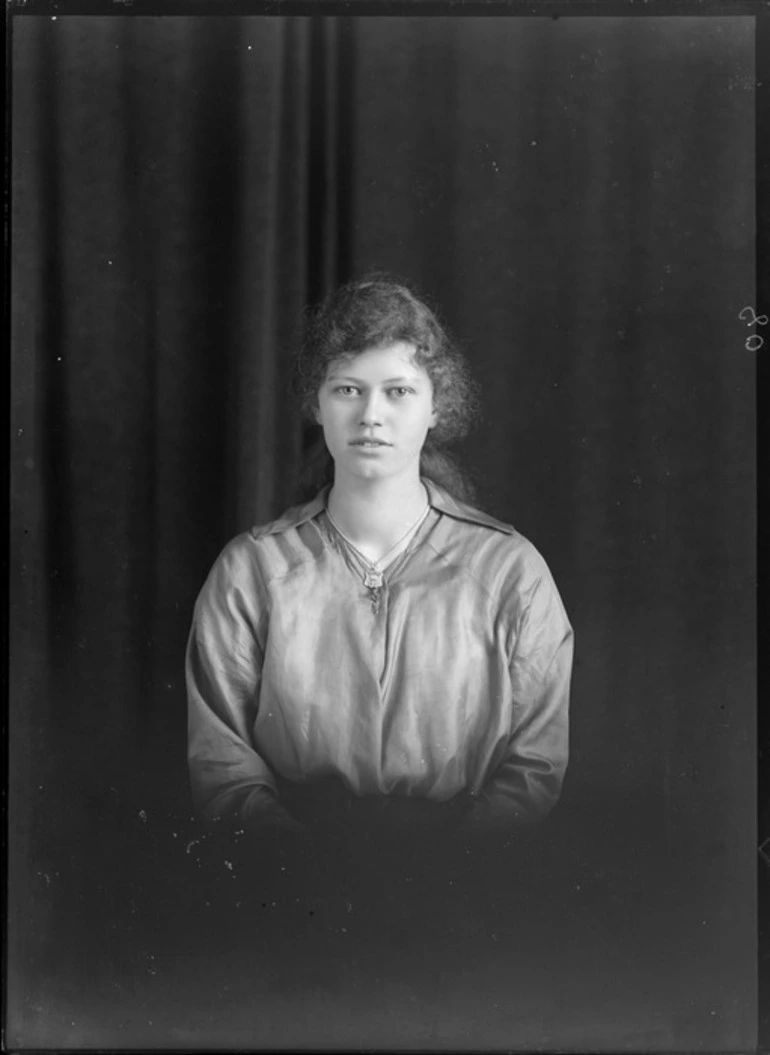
(458, 682)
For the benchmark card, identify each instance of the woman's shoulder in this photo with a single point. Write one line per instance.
(235, 566)
(485, 544)
(475, 522)
(465, 513)
(293, 517)
(260, 550)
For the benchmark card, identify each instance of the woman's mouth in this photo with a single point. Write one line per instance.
(369, 443)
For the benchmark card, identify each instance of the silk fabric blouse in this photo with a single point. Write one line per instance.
(458, 683)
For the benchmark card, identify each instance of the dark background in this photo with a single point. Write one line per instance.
(577, 197)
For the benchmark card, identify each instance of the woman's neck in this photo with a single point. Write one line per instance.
(375, 514)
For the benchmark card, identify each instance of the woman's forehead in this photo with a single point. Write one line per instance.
(379, 362)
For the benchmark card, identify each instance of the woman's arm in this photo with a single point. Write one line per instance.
(526, 783)
(230, 780)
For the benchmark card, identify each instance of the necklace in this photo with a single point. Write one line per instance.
(373, 572)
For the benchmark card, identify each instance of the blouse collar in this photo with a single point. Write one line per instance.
(439, 499)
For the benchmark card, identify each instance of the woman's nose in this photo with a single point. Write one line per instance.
(371, 412)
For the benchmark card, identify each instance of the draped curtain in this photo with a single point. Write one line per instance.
(576, 196)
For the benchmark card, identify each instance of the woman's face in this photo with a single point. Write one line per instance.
(376, 409)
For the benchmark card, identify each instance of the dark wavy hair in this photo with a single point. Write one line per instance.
(369, 313)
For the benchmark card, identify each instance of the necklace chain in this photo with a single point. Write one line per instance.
(373, 576)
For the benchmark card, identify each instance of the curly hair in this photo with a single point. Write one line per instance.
(376, 311)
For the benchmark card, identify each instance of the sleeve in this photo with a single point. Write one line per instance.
(526, 782)
(223, 671)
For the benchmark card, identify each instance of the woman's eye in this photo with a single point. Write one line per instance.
(346, 390)
(400, 392)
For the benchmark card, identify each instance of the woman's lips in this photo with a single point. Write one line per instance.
(369, 444)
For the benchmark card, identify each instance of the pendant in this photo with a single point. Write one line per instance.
(373, 579)
(374, 597)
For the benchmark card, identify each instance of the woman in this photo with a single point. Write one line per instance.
(385, 647)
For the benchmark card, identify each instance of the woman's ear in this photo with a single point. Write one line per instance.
(433, 419)
(317, 415)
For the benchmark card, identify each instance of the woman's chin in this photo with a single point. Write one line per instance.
(364, 468)
(372, 469)
(370, 472)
